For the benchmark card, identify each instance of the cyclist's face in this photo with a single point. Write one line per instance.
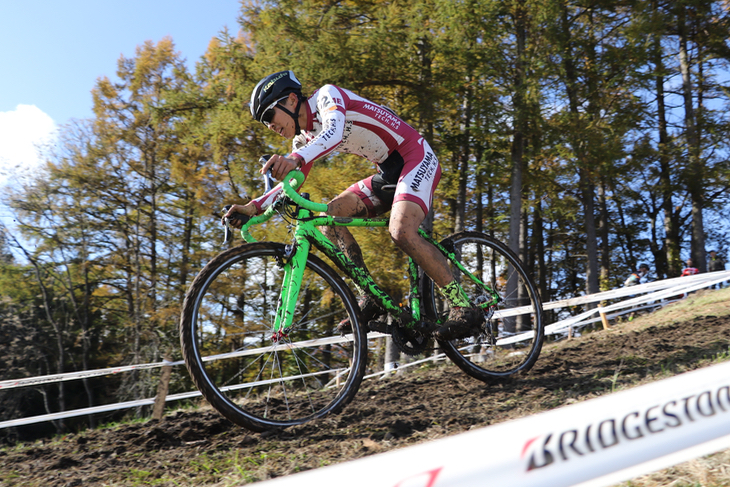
(281, 122)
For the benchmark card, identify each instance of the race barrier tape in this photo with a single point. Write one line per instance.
(86, 374)
(45, 379)
(704, 279)
(150, 401)
(657, 290)
(594, 443)
(94, 410)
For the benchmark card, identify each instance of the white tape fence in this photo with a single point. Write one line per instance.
(653, 292)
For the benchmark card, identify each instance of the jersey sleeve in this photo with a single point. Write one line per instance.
(265, 200)
(331, 108)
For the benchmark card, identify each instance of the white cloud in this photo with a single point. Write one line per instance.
(23, 133)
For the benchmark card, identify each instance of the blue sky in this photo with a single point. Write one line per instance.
(52, 52)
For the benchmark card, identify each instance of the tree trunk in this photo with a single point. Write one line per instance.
(587, 193)
(426, 109)
(603, 230)
(585, 184)
(695, 171)
(671, 216)
(465, 154)
(538, 238)
(517, 153)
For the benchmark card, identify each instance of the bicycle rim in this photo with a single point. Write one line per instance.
(512, 334)
(258, 381)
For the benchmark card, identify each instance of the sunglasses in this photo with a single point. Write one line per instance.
(268, 114)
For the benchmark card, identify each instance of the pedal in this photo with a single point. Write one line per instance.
(379, 326)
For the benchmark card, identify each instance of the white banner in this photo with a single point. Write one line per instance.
(597, 442)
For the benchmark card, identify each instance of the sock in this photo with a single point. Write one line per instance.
(455, 294)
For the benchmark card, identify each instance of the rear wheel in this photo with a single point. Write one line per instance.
(253, 377)
(511, 337)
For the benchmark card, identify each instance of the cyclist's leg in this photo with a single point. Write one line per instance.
(413, 197)
(464, 318)
(349, 205)
(405, 218)
(356, 201)
(359, 201)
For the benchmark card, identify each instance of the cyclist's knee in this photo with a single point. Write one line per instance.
(404, 236)
(347, 204)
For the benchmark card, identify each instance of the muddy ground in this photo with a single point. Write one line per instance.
(200, 448)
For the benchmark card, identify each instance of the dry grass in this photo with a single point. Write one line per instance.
(711, 470)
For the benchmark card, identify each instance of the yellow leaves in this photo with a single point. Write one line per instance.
(149, 65)
(212, 53)
(166, 315)
(230, 91)
(106, 88)
(103, 291)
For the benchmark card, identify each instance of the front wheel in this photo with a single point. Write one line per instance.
(257, 378)
(512, 333)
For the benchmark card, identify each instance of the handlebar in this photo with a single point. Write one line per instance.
(269, 183)
(289, 190)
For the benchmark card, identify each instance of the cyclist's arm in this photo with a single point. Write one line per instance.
(264, 201)
(331, 109)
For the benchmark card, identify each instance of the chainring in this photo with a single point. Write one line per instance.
(409, 341)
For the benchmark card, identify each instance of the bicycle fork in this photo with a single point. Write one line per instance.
(293, 262)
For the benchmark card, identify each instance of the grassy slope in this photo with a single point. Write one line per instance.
(231, 457)
(712, 470)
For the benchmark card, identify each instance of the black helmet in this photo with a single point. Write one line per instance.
(271, 90)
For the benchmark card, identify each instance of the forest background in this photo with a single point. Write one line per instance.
(590, 136)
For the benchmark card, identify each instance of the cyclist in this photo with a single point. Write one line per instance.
(335, 119)
(690, 270)
(638, 277)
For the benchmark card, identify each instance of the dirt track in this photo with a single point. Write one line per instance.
(200, 448)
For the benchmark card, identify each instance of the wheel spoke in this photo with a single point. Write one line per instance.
(512, 333)
(255, 380)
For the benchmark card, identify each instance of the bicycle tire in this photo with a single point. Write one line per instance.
(504, 346)
(252, 379)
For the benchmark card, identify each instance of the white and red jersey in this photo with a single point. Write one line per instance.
(346, 122)
(341, 121)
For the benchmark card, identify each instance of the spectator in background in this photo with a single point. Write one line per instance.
(690, 270)
(715, 263)
(638, 277)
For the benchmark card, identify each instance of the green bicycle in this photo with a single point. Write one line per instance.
(259, 323)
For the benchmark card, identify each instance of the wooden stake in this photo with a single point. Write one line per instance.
(158, 409)
(604, 320)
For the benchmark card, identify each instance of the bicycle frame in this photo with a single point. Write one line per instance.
(307, 233)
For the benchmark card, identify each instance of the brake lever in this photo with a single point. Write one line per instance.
(269, 181)
(226, 228)
(235, 216)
